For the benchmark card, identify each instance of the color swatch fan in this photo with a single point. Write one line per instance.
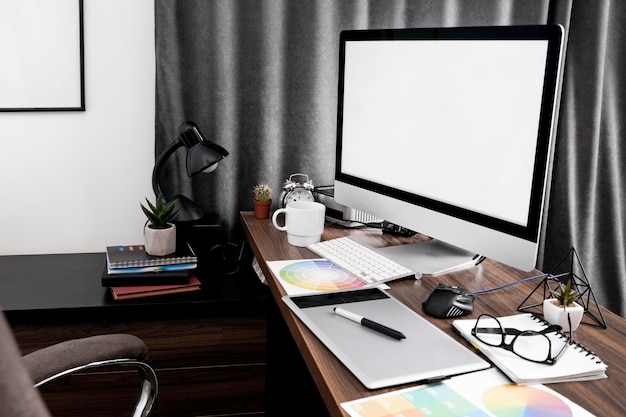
(312, 275)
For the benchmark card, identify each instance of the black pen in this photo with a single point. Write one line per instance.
(369, 323)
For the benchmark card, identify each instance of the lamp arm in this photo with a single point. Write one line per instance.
(158, 167)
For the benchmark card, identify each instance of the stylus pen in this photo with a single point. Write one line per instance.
(369, 323)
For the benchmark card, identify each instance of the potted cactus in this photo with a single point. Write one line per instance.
(562, 308)
(159, 232)
(262, 199)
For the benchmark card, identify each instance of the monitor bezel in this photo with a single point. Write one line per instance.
(550, 33)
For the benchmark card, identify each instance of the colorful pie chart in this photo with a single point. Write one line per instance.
(524, 401)
(318, 275)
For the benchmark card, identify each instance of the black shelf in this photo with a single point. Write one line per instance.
(52, 287)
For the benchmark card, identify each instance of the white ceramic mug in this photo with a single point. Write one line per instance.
(304, 222)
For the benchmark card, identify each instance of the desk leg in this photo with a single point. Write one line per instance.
(289, 387)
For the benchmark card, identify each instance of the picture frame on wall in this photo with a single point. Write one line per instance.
(42, 55)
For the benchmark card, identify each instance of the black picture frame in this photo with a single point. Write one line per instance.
(43, 61)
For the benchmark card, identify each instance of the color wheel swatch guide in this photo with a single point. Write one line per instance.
(312, 275)
(479, 394)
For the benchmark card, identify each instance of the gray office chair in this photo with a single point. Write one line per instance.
(21, 375)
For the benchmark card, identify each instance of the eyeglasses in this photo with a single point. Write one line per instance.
(527, 344)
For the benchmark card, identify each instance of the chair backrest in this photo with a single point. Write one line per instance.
(18, 397)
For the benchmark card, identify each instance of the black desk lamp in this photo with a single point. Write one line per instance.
(202, 156)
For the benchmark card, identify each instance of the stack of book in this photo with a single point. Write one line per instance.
(130, 272)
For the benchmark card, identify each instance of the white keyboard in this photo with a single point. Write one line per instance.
(360, 260)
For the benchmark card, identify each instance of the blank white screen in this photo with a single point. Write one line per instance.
(454, 121)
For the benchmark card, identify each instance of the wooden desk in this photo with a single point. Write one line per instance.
(336, 384)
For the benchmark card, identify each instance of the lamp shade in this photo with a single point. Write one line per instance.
(202, 157)
(202, 154)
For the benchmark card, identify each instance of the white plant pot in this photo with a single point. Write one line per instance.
(160, 242)
(558, 315)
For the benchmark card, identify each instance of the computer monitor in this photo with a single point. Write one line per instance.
(450, 132)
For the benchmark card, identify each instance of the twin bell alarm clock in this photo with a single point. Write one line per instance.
(298, 187)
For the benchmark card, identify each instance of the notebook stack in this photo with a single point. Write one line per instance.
(131, 272)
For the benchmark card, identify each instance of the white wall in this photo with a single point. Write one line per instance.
(72, 181)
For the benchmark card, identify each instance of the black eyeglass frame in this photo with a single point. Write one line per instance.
(508, 331)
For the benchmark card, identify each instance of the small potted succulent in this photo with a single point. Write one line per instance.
(562, 305)
(262, 199)
(159, 232)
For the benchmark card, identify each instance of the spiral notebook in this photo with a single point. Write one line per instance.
(577, 363)
(135, 256)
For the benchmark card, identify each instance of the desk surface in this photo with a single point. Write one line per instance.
(336, 384)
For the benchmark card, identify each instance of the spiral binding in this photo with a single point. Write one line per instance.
(577, 345)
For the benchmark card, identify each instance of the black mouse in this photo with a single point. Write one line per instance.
(448, 301)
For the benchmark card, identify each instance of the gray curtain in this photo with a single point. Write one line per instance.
(588, 201)
(259, 77)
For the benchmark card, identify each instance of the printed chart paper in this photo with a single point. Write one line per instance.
(480, 394)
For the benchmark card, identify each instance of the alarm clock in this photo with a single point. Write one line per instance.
(296, 190)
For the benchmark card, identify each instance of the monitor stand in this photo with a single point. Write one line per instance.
(432, 257)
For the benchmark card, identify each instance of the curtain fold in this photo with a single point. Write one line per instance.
(259, 77)
(587, 207)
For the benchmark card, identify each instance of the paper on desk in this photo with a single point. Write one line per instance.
(306, 276)
(575, 364)
(481, 394)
